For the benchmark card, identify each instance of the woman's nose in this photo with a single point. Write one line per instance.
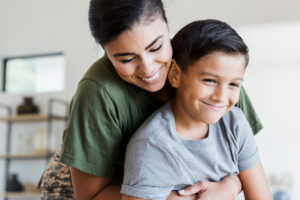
(146, 65)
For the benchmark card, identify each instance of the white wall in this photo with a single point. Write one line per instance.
(35, 26)
(272, 80)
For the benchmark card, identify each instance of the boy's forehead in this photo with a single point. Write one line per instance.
(221, 57)
(220, 62)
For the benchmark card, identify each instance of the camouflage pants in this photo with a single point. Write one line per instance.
(56, 181)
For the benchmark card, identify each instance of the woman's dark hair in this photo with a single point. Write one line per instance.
(204, 37)
(109, 18)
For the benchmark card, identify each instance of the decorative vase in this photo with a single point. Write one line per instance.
(13, 184)
(281, 195)
(27, 106)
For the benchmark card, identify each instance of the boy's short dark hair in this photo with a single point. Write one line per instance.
(203, 37)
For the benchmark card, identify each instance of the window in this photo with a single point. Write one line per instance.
(34, 74)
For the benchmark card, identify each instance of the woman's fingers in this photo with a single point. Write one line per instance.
(193, 189)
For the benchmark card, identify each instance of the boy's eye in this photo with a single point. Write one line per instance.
(127, 60)
(157, 48)
(207, 80)
(234, 85)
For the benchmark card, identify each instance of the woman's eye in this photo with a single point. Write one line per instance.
(156, 49)
(127, 60)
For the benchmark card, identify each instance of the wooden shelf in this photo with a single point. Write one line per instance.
(25, 156)
(22, 195)
(31, 117)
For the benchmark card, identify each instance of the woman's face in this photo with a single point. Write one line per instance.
(142, 54)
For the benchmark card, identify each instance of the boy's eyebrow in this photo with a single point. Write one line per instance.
(132, 54)
(214, 75)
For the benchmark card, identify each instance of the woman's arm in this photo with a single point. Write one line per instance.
(90, 187)
(227, 189)
(173, 196)
(255, 184)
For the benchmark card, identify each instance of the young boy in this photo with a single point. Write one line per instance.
(199, 134)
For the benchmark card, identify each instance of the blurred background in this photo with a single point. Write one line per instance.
(271, 29)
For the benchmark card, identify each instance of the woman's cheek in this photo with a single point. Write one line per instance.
(127, 70)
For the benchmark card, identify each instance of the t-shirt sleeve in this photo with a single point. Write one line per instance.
(91, 142)
(245, 105)
(149, 172)
(248, 155)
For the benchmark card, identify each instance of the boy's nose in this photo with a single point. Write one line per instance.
(220, 94)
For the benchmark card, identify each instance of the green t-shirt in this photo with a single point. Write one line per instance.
(104, 112)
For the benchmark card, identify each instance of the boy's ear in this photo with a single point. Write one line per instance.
(174, 74)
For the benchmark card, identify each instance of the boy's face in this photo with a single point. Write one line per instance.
(209, 88)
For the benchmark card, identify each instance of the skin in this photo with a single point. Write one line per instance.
(146, 63)
(206, 190)
(142, 57)
(206, 91)
(255, 183)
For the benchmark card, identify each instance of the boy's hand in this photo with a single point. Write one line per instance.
(226, 189)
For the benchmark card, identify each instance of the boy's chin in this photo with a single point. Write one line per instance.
(212, 120)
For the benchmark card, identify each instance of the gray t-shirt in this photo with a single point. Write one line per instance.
(158, 160)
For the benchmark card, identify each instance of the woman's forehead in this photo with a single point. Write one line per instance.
(140, 36)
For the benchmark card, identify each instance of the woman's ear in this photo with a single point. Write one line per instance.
(174, 74)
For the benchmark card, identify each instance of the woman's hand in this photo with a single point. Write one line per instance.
(175, 196)
(227, 189)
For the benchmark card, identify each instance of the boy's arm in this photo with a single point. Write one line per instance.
(255, 184)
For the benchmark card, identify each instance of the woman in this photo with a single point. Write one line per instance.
(115, 96)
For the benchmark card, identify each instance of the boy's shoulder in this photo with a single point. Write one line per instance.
(156, 125)
(235, 115)
(234, 123)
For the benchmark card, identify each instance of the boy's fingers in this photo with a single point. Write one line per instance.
(193, 189)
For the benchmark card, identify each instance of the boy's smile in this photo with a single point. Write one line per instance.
(208, 89)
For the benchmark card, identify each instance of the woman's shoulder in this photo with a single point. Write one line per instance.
(102, 72)
(101, 78)
(103, 85)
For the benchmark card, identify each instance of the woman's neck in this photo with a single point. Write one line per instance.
(164, 94)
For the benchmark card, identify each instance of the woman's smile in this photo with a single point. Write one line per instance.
(142, 55)
(153, 78)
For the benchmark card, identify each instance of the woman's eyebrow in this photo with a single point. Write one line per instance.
(132, 54)
(154, 41)
(124, 54)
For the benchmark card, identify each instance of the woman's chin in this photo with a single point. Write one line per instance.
(151, 87)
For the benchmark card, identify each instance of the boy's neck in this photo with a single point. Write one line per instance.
(187, 127)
